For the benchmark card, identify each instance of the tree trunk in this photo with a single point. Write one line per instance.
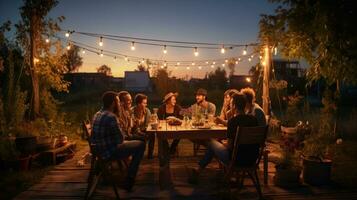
(35, 111)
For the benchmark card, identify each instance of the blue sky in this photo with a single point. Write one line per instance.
(217, 21)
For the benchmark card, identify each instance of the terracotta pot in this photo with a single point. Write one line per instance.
(287, 177)
(316, 171)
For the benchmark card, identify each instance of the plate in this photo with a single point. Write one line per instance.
(204, 127)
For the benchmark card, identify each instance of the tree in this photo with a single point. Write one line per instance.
(105, 70)
(43, 64)
(72, 59)
(218, 79)
(162, 81)
(320, 31)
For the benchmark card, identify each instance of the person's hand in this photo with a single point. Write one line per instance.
(218, 120)
(224, 142)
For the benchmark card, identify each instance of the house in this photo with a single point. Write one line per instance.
(85, 79)
(137, 81)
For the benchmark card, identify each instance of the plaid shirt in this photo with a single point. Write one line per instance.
(106, 134)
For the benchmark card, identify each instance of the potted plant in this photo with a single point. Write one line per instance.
(288, 169)
(318, 147)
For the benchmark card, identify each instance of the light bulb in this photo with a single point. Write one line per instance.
(199, 67)
(101, 53)
(101, 41)
(178, 63)
(214, 63)
(223, 50)
(47, 40)
(165, 50)
(236, 62)
(212, 66)
(67, 34)
(126, 59)
(142, 62)
(206, 62)
(68, 47)
(249, 59)
(245, 50)
(165, 64)
(226, 61)
(196, 52)
(239, 59)
(83, 51)
(223, 65)
(162, 67)
(187, 68)
(132, 46)
(193, 64)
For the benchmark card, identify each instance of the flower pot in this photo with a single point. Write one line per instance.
(287, 177)
(316, 171)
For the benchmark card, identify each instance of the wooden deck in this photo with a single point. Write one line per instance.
(67, 181)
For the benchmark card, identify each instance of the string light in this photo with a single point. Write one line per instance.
(236, 62)
(212, 66)
(193, 64)
(126, 59)
(143, 61)
(252, 56)
(101, 41)
(249, 59)
(68, 46)
(207, 62)
(260, 57)
(101, 53)
(36, 60)
(248, 79)
(132, 46)
(223, 50)
(165, 50)
(239, 59)
(188, 68)
(223, 65)
(214, 63)
(178, 63)
(162, 67)
(83, 51)
(196, 51)
(245, 50)
(226, 61)
(199, 67)
(47, 40)
(165, 64)
(67, 34)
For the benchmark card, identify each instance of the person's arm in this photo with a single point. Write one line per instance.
(212, 109)
(115, 130)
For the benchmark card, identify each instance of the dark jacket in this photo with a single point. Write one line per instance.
(161, 113)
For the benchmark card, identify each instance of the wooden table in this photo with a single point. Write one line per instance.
(165, 132)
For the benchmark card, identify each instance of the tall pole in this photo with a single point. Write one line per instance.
(266, 62)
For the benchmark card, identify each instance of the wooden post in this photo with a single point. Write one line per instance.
(266, 62)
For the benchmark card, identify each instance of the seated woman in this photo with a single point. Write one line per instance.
(226, 112)
(223, 150)
(141, 117)
(167, 109)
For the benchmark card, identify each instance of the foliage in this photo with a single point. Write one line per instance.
(323, 136)
(320, 31)
(217, 79)
(72, 60)
(13, 100)
(105, 70)
(293, 112)
(46, 73)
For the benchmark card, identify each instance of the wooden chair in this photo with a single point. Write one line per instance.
(99, 166)
(249, 145)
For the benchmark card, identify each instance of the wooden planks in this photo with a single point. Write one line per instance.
(67, 181)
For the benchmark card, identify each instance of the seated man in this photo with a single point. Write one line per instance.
(223, 150)
(202, 106)
(253, 108)
(109, 141)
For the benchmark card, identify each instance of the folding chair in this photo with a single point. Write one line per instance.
(249, 145)
(99, 167)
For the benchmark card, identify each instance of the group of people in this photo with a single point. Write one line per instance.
(119, 128)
